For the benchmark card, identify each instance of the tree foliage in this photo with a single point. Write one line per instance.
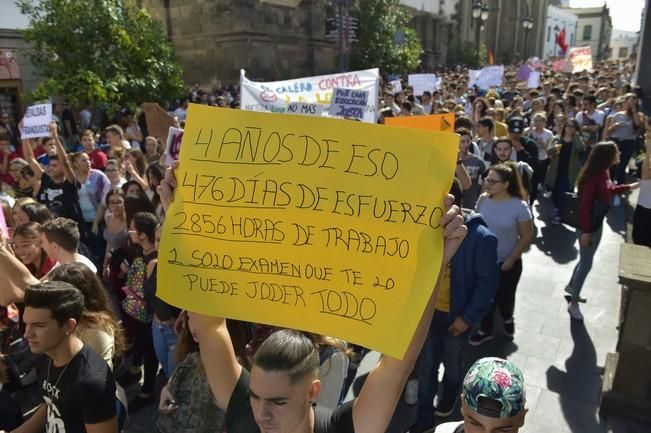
(105, 52)
(385, 39)
(465, 53)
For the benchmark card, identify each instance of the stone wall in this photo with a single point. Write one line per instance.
(214, 39)
(13, 39)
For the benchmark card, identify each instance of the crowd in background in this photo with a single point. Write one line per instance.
(82, 206)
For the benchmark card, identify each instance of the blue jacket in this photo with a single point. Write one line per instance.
(474, 272)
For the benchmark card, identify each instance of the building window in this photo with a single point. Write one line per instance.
(587, 32)
(549, 31)
(623, 52)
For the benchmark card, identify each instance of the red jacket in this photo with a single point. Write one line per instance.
(598, 187)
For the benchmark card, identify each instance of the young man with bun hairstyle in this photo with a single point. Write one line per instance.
(280, 391)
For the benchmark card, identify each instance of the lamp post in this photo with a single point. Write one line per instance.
(527, 24)
(556, 31)
(480, 13)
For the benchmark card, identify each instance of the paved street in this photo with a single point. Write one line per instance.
(562, 360)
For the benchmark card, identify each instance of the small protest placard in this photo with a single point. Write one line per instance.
(396, 86)
(580, 59)
(432, 122)
(559, 65)
(173, 146)
(473, 75)
(349, 103)
(158, 120)
(36, 122)
(523, 72)
(490, 76)
(534, 80)
(304, 108)
(424, 82)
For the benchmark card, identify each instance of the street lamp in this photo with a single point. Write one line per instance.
(480, 13)
(484, 12)
(527, 24)
(477, 8)
(556, 32)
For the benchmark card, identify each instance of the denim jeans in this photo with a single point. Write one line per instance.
(164, 344)
(586, 256)
(561, 186)
(627, 149)
(504, 297)
(440, 346)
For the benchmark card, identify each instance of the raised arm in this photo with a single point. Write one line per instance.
(134, 175)
(35, 424)
(462, 174)
(373, 409)
(108, 426)
(14, 278)
(28, 153)
(61, 154)
(217, 356)
(646, 164)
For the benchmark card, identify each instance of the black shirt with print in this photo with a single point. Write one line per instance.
(78, 393)
(62, 198)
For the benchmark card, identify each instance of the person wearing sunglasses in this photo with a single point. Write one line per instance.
(508, 216)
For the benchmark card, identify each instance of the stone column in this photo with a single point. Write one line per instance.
(642, 76)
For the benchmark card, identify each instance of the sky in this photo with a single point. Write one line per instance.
(624, 13)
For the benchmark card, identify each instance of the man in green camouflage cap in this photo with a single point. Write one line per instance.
(492, 400)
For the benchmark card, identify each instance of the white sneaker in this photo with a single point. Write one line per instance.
(575, 312)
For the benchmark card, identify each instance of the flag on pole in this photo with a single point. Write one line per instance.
(560, 41)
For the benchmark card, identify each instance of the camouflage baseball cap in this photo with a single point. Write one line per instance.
(498, 380)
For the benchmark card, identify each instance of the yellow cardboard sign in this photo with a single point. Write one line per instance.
(432, 122)
(325, 225)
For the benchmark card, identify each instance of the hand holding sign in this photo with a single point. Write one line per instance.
(36, 121)
(349, 103)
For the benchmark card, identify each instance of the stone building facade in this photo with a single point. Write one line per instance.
(277, 39)
(594, 29)
(17, 74)
(435, 25)
(503, 31)
(559, 19)
(270, 39)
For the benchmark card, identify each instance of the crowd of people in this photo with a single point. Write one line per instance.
(84, 209)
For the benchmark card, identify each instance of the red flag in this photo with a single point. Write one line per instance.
(560, 41)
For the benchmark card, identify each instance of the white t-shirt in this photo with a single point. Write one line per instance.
(542, 139)
(80, 258)
(180, 113)
(597, 117)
